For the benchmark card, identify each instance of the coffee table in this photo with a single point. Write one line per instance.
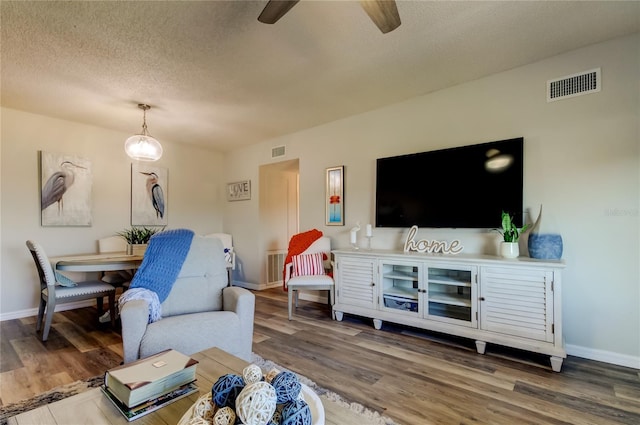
(92, 407)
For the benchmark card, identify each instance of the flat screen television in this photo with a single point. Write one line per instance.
(461, 187)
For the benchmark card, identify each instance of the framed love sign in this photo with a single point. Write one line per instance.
(239, 191)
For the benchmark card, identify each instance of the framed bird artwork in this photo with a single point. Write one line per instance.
(148, 195)
(65, 190)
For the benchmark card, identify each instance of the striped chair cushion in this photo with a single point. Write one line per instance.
(308, 264)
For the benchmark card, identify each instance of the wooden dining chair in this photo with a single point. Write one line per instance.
(53, 290)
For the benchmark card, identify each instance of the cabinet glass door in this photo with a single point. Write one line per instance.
(400, 292)
(451, 295)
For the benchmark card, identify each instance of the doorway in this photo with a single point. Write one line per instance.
(278, 215)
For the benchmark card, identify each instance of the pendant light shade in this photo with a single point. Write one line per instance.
(143, 147)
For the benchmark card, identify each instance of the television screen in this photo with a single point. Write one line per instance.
(462, 187)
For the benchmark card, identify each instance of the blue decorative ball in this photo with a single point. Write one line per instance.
(296, 412)
(226, 389)
(287, 387)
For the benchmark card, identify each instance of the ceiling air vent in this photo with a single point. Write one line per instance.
(277, 152)
(573, 85)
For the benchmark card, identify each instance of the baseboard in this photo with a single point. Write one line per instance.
(256, 286)
(603, 356)
(318, 297)
(34, 311)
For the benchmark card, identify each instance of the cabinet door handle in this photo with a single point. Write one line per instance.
(373, 284)
(481, 298)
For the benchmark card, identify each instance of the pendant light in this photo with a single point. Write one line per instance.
(143, 147)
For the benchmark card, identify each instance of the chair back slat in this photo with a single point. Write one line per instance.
(45, 271)
(112, 244)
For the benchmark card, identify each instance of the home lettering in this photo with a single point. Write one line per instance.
(431, 247)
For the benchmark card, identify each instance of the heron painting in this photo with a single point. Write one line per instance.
(148, 195)
(65, 197)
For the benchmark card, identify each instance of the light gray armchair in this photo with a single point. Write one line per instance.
(200, 311)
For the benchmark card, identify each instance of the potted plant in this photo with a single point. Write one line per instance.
(510, 233)
(137, 238)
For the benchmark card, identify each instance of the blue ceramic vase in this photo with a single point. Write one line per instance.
(545, 246)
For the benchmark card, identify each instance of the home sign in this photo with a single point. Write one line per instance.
(430, 247)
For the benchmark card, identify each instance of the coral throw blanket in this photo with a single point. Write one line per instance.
(297, 245)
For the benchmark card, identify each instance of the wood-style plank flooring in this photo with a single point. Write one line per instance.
(412, 376)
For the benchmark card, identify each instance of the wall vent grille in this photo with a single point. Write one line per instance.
(278, 151)
(275, 266)
(573, 85)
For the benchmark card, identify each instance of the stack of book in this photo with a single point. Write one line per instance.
(148, 384)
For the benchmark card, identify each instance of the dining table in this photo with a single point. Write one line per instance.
(104, 262)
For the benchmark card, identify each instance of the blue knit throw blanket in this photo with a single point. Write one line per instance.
(162, 261)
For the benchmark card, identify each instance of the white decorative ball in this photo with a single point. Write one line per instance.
(198, 420)
(203, 408)
(256, 403)
(224, 416)
(252, 373)
(272, 374)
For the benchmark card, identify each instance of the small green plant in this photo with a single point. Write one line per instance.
(510, 231)
(138, 235)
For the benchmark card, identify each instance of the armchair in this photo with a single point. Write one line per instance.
(200, 311)
(229, 253)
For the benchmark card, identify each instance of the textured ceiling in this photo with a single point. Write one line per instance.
(216, 77)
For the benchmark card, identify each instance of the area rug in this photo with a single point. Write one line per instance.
(47, 397)
(369, 416)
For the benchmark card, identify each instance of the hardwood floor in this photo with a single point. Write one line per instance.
(412, 376)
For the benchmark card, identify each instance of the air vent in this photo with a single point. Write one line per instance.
(277, 152)
(573, 85)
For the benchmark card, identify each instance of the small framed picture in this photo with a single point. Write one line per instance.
(334, 199)
(239, 191)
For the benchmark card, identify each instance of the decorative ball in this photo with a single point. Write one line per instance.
(272, 374)
(287, 386)
(226, 389)
(224, 416)
(198, 420)
(276, 419)
(252, 373)
(296, 412)
(256, 403)
(203, 408)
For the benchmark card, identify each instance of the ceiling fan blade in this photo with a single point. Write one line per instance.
(384, 13)
(275, 10)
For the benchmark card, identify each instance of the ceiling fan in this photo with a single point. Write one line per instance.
(383, 13)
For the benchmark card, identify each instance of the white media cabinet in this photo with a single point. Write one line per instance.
(515, 302)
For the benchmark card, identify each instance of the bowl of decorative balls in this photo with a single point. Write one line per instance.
(277, 398)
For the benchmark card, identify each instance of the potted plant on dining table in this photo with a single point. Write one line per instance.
(137, 238)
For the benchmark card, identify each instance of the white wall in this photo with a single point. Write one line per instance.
(195, 195)
(581, 162)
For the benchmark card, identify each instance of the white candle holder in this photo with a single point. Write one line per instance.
(355, 246)
(369, 242)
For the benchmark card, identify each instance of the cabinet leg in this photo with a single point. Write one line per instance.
(556, 363)
(338, 315)
(377, 323)
(481, 346)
